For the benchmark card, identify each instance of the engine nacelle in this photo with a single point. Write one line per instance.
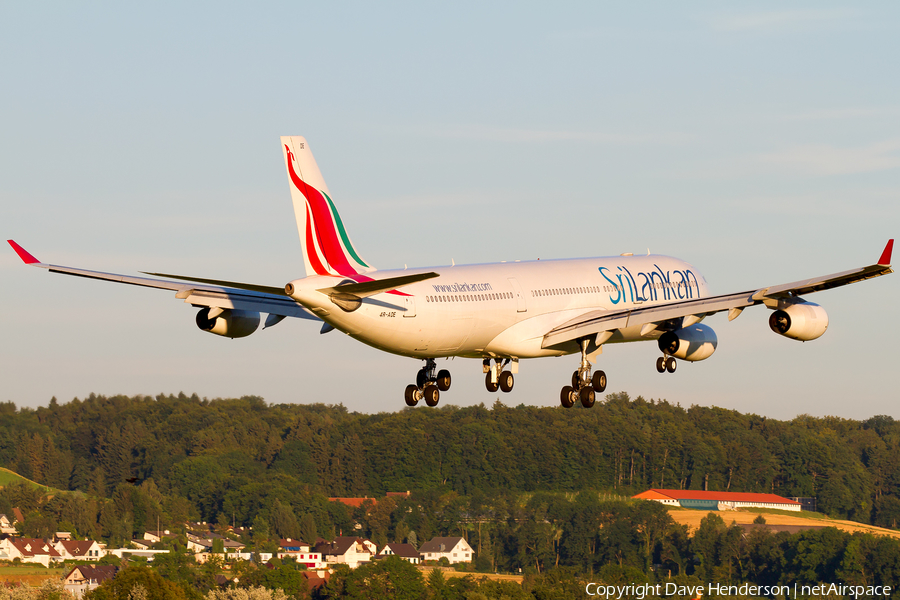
(803, 321)
(229, 322)
(693, 343)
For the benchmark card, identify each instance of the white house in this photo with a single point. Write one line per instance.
(407, 552)
(300, 552)
(84, 578)
(79, 550)
(454, 549)
(7, 526)
(29, 550)
(348, 550)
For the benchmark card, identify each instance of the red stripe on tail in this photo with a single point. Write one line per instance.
(324, 226)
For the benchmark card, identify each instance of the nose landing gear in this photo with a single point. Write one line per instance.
(584, 385)
(428, 385)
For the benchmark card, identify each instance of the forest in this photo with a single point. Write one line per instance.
(538, 489)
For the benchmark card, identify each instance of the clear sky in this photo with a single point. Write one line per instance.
(760, 143)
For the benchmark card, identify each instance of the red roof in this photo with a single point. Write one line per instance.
(34, 547)
(657, 494)
(354, 502)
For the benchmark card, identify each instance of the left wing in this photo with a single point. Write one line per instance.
(603, 323)
(197, 292)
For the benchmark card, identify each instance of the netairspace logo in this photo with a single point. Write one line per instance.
(644, 590)
(463, 287)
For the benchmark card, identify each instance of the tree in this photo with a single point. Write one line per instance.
(390, 577)
(251, 593)
(148, 584)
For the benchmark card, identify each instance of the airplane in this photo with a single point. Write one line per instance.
(498, 313)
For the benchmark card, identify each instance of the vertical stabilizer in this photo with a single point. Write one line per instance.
(327, 249)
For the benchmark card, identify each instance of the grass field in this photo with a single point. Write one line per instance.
(7, 477)
(450, 572)
(692, 519)
(29, 574)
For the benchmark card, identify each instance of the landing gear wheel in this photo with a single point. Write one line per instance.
(506, 381)
(598, 381)
(443, 380)
(587, 396)
(421, 378)
(490, 385)
(661, 364)
(432, 395)
(576, 380)
(567, 397)
(671, 365)
(411, 395)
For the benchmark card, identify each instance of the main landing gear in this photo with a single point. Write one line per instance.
(666, 363)
(584, 386)
(428, 385)
(496, 378)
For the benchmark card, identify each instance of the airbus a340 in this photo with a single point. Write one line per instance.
(498, 313)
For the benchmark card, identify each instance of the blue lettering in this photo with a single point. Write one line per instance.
(694, 284)
(680, 285)
(613, 284)
(664, 278)
(636, 294)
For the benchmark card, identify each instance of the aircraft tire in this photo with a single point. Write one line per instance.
(671, 364)
(587, 396)
(506, 381)
(598, 381)
(421, 378)
(567, 396)
(411, 395)
(490, 385)
(661, 364)
(576, 380)
(432, 395)
(443, 380)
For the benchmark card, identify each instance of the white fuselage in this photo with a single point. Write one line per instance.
(503, 310)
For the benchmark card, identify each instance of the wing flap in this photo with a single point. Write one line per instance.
(599, 321)
(203, 295)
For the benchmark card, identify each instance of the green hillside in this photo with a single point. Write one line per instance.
(7, 477)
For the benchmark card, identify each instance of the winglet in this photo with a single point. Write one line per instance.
(885, 259)
(24, 255)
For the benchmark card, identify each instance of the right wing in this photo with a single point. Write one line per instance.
(197, 292)
(602, 323)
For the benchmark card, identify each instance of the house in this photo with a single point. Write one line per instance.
(31, 550)
(705, 500)
(348, 550)
(6, 526)
(204, 544)
(301, 553)
(407, 552)
(157, 536)
(79, 550)
(454, 549)
(316, 580)
(87, 577)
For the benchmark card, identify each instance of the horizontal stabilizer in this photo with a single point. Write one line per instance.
(370, 288)
(252, 287)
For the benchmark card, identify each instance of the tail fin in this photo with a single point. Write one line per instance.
(327, 249)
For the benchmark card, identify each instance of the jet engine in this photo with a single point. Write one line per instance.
(228, 322)
(803, 321)
(693, 343)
